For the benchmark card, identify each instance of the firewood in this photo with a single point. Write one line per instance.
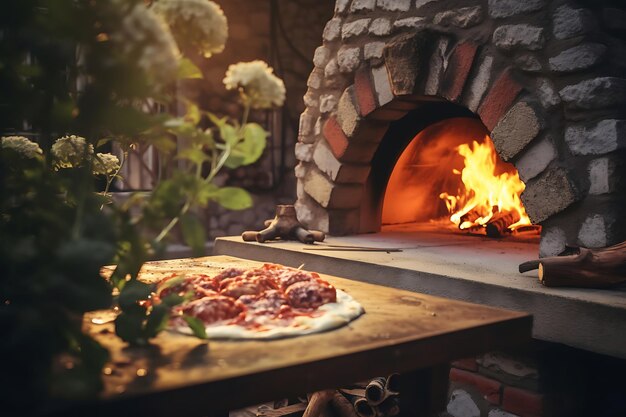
(389, 408)
(341, 407)
(318, 401)
(267, 411)
(375, 391)
(393, 383)
(589, 268)
(499, 223)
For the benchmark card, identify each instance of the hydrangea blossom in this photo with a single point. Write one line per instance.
(257, 83)
(198, 24)
(143, 36)
(105, 164)
(21, 145)
(71, 151)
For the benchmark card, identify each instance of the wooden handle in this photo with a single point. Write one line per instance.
(318, 402)
(249, 236)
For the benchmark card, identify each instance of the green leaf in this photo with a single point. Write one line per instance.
(196, 326)
(133, 292)
(206, 192)
(234, 198)
(188, 70)
(157, 320)
(193, 113)
(229, 134)
(194, 155)
(171, 283)
(193, 233)
(173, 300)
(219, 122)
(129, 327)
(250, 149)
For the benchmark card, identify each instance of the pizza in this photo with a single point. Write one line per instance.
(268, 302)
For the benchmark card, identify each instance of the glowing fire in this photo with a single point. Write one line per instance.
(485, 195)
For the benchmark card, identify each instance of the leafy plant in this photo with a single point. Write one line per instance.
(85, 72)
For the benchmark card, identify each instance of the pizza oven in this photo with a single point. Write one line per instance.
(414, 109)
(543, 82)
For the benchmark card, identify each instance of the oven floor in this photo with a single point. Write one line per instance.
(470, 268)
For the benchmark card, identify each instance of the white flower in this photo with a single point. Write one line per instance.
(198, 24)
(21, 145)
(257, 84)
(105, 164)
(143, 36)
(71, 151)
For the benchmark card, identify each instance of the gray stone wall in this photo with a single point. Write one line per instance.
(546, 77)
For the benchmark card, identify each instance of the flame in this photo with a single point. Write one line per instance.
(484, 192)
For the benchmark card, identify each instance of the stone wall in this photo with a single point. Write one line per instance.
(545, 77)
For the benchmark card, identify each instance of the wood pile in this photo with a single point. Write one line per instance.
(375, 398)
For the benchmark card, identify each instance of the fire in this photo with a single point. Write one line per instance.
(485, 195)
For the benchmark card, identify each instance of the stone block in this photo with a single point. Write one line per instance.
(577, 58)
(501, 363)
(362, 5)
(364, 92)
(603, 173)
(328, 103)
(522, 36)
(528, 63)
(535, 159)
(382, 85)
(332, 68)
(420, 3)
(498, 99)
(315, 79)
(394, 5)
(603, 137)
(459, 66)
(307, 120)
(339, 172)
(341, 6)
(329, 195)
(311, 214)
(380, 26)
(488, 387)
(568, 22)
(548, 194)
(332, 30)
(404, 58)
(354, 28)
(546, 93)
(479, 83)
(522, 402)
(553, 241)
(508, 8)
(409, 22)
(461, 404)
(348, 112)
(373, 50)
(464, 17)
(310, 99)
(342, 149)
(469, 364)
(304, 152)
(348, 58)
(321, 56)
(437, 66)
(519, 126)
(595, 93)
(300, 170)
(593, 232)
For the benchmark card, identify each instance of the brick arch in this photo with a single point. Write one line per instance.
(416, 70)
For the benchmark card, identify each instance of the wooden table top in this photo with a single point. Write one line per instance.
(401, 331)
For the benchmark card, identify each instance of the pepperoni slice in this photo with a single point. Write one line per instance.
(310, 294)
(248, 285)
(211, 309)
(267, 303)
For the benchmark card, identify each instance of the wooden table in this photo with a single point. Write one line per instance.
(414, 334)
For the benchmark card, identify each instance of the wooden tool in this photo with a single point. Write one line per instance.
(285, 226)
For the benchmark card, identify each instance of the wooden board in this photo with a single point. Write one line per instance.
(401, 331)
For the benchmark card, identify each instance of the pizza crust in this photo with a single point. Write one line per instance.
(333, 315)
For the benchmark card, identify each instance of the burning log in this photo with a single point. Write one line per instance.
(589, 268)
(499, 223)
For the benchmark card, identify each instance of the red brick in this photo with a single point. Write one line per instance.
(459, 67)
(467, 364)
(490, 388)
(335, 137)
(499, 98)
(364, 91)
(522, 402)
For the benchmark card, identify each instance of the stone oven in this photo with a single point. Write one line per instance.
(544, 77)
